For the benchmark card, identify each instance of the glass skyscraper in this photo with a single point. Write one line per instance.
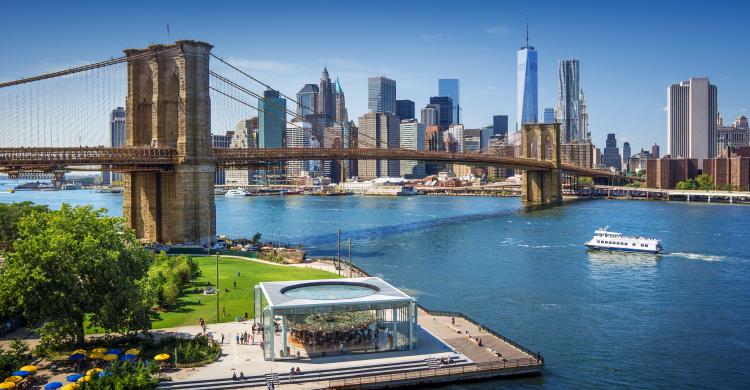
(568, 101)
(271, 120)
(308, 100)
(381, 94)
(528, 89)
(449, 87)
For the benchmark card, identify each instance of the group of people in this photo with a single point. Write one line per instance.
(245, 338)
(293, 373)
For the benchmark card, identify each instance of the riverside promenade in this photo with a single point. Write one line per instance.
(448, 351)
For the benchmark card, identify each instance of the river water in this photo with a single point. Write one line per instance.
(681, 319)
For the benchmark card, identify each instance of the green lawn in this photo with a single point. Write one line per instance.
(238, 300)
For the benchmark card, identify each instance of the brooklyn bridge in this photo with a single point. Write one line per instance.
(168, 161)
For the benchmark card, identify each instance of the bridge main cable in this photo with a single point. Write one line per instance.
(79, 69)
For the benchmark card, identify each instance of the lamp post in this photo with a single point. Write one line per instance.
(217, 287)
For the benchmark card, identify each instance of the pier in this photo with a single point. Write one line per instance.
(615, 192)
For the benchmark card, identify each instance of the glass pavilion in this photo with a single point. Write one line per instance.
(334, 317)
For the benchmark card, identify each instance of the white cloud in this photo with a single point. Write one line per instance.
(497, 29)
(431, 36)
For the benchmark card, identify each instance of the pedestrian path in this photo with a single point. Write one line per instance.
(314, 376)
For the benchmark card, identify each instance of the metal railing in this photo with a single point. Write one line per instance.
(436, 372)
(443, 313)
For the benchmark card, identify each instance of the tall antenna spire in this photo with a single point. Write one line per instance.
(527, 30)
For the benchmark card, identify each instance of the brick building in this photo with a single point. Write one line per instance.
(664, 173)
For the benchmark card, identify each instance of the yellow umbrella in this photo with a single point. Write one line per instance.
(14, 379)
(95, 355)
(80, 350)
(31, 369)
(161, 357)
(82, 379)
(70, 386)
(109, 357)
(93, 371)
(133, 351)
(99, 350)
(7, 385)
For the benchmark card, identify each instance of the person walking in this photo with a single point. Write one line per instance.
(222, 338)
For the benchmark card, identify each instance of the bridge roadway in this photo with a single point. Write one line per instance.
(153, 158)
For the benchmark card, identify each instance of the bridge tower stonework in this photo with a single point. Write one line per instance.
(168, 105)
(541, 141)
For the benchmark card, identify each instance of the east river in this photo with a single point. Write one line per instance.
(603, 320)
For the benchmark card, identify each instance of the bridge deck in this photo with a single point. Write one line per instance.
(147, 158)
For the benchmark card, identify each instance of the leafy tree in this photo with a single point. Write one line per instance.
(75, 263)
(16, 356)
(257, 239)
(10, 213)
(689, 184)
(125, 376)
(704, 182)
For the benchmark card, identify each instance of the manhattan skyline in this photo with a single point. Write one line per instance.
(629, 52)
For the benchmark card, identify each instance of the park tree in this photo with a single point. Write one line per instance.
(10, 213)
(74, 264)
(704, 182)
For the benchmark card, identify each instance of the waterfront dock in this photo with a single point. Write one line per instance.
(618, 192)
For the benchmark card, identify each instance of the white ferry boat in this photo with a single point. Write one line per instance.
(604, 239)
(236, 192)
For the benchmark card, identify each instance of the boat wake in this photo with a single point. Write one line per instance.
(695, 256)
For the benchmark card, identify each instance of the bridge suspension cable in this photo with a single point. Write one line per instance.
(239, 87)
(69, 71)
(314, 110)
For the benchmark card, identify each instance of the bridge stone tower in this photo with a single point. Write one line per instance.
(168, 105)
(541, 141)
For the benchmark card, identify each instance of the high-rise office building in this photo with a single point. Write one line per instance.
(405, 109)
(691, 119)
(381, 94)
(219, 141)
(549, 115)
(431, 115)
(243, 137)
(456, 133)
(116, 139)
(341, 113)
(326, 100)
(298, 135)
(625, 153)
(654, 151)
(379, 130)
(500, 125)
(486, 134)
(450, 88)
(733, 136)
(307, 100)
(445, 114)
(611, 156)
(472, 142)
(584, 115)
(271, 120)
(567, 111)
(412, 137)
(527, 85)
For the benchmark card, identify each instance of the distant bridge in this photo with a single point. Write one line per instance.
(168, 159)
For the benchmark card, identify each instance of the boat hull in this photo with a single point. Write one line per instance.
(613, 249)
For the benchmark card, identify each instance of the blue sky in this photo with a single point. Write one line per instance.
(629, 51)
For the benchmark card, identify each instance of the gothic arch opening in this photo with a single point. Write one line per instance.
(143, 101)
(533, 147)
(169, 100)
(547, 151)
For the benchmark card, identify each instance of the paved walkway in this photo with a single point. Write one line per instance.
(458, 334)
